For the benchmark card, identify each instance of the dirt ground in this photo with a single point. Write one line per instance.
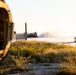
(40, 69)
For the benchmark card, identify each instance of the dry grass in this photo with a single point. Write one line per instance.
(68, 68)
(43, 52)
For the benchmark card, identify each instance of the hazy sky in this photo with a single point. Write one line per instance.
(54, 16)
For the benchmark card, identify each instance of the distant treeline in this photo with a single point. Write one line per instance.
(32, 34)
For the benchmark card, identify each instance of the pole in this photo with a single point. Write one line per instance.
(26, 31)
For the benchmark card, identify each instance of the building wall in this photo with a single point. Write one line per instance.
(19, 36)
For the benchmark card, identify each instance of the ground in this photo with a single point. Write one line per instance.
(40, 69)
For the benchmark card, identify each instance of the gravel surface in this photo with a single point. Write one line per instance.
(40, 69)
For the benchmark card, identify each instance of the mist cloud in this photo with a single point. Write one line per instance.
(49, 34)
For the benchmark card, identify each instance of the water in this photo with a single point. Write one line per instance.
(58, 39)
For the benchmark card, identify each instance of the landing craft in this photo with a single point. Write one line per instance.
(6, 29)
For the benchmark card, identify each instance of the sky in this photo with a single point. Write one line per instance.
(57, 17)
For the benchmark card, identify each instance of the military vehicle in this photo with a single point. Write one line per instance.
(6, 29)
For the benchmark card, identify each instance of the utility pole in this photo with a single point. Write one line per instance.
(26, 31)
